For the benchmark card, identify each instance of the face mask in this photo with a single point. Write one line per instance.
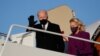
(74, 29)
(44, 21)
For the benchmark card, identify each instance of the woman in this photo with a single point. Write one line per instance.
(78, 47)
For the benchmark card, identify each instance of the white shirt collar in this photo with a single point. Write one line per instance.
(46, 26)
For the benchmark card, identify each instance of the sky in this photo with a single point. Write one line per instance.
(17, 11)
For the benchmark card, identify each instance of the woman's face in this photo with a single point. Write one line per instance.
(73, 24)
(74, 27)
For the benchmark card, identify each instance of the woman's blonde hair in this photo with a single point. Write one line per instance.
(80, 24)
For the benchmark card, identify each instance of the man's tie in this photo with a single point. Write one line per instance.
(43, 27)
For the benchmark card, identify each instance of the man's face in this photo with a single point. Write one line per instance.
(42, 15)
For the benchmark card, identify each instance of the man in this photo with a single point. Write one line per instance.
(46, 40)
